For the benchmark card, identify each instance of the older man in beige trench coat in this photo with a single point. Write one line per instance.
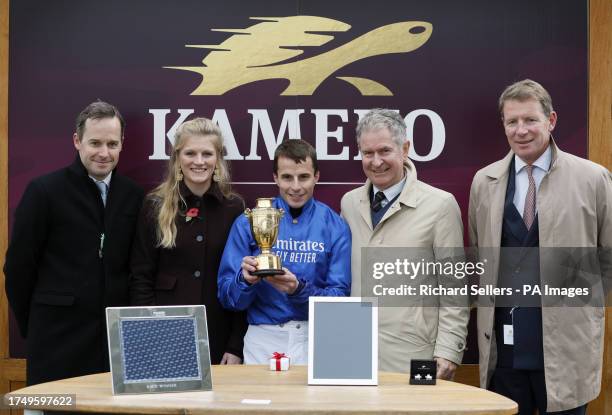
(571, 205)
(409, 214)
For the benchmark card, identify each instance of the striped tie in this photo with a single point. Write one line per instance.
(377, 203)
(530, 199)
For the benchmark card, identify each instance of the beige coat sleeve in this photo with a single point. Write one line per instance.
(604, 231)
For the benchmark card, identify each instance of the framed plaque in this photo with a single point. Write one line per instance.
(343, 341)
(158, 349)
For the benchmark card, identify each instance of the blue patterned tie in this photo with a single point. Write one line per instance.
(103, 190)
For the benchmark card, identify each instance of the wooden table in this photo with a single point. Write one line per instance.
(288, 392)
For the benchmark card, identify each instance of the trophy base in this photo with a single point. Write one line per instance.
(267, 272)
(268, 264)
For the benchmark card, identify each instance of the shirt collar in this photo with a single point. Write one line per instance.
(106, 180)
(543, 162)
(393, 191)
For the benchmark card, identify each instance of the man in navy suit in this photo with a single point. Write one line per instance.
(68, 255)
(530, 207)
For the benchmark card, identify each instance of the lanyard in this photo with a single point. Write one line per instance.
(512, 314)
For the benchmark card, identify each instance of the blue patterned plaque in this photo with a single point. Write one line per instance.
(159, 349)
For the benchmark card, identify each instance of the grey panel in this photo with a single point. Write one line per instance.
(342, 340)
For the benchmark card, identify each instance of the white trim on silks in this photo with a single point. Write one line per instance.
(32, 412)
(262, 340)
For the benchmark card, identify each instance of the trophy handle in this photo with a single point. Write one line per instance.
(248, 213)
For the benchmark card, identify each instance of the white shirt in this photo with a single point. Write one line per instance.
(541, 167)
(390, 192)
(106, 180)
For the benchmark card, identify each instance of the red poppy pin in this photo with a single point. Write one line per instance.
(191, 213)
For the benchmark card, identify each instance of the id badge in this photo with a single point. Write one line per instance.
(508, 334)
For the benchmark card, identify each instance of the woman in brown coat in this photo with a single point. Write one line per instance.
(181, 233)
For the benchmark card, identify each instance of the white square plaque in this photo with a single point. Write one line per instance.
(343, 341)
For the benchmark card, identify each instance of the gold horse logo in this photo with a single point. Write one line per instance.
(266, 51)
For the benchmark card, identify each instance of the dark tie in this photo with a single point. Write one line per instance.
(377, 202)
(530, 199)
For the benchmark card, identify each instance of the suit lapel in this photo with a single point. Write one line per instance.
(115, 201)
(515, 223)
(512, 218)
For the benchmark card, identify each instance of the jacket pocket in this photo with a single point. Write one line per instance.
(165, 282)
(53, 299)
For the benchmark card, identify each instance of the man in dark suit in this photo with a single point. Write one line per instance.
(532, 213)
(68, 255)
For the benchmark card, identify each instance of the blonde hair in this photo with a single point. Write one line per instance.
(167, 198)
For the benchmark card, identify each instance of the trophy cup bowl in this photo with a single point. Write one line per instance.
(264, 220)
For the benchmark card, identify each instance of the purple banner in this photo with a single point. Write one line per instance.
(272, 70)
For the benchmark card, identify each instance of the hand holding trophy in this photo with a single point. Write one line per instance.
(264, 220)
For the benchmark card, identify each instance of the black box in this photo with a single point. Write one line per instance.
(423, 372)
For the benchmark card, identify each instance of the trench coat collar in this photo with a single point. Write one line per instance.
(408, 196)
(500, 169)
